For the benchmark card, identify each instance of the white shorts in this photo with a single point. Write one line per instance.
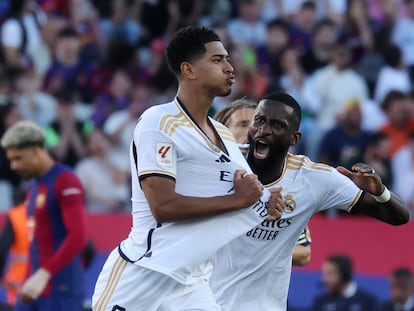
(124, 286)
(198, 297)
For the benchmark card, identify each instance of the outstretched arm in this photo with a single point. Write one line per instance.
(378, 202)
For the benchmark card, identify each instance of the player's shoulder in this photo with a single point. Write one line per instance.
(302, 163)
(157, 112)
(65, 174)
(164, 117)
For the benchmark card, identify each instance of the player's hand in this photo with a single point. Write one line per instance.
(248, 189)
(364, 177)
(34, 285)
(275, 204)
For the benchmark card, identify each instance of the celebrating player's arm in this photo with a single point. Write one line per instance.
(378, 202)
(171, 206)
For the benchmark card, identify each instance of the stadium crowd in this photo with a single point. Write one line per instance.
(85, 70)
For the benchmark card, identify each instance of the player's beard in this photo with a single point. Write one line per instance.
(264, 165)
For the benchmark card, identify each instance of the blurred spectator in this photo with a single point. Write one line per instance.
(318, 54)
(65, 135)
(332, 9)
(119, 55)
(358, 29)
(105, 182)
(399, 108)
(216, 12)
(393, 75)
(4, 9)
(334, 85)
(327, 92)
(277, 38)
(161, 18)
(293, 77)
(248, 28)
(376, 154)
(373, 117)
(344, 144)
(403, 172)
(341, 291)
(403, 36)
(250, 80)
(385, 11)
(154, 17)
(303, 23)
(117, 98)
(120, 125)
(401, 291)
(85, 20)
(9, 180)
(68, 68)
(14, 253)
(34, 104)
(22, 45)
(120, 24)
(54, 7)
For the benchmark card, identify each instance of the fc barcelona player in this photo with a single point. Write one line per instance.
(57, 223)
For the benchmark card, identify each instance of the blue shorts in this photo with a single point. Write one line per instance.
(61, 303)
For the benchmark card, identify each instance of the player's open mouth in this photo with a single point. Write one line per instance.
(261, 149)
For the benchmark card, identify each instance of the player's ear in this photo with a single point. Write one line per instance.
(295, 138)
(187, 70)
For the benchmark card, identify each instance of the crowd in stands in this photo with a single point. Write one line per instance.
(85, 70)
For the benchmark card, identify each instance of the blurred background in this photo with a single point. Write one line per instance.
(86, 69)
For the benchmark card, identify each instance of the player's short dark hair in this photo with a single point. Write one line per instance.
(402, 273)
(344, 265)
(187, 45)
(224, 115)
(284, 98)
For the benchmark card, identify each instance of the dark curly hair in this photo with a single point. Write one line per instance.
(187, 45)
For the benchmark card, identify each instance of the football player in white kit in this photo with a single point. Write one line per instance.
(192, 190)
(253, 272)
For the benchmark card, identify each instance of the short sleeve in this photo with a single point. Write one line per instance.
(339, 192)
(156, 154)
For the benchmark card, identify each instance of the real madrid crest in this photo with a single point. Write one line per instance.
(289, 204)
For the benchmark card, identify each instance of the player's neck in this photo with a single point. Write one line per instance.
(271, 171)
(46, 164)
(197, 104)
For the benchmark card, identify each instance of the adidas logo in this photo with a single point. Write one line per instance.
(223, 159)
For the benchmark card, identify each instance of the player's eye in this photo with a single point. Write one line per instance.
(277, 124)
(259, 120)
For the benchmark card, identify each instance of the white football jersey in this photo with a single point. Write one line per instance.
(168, 143)
(253, 271)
